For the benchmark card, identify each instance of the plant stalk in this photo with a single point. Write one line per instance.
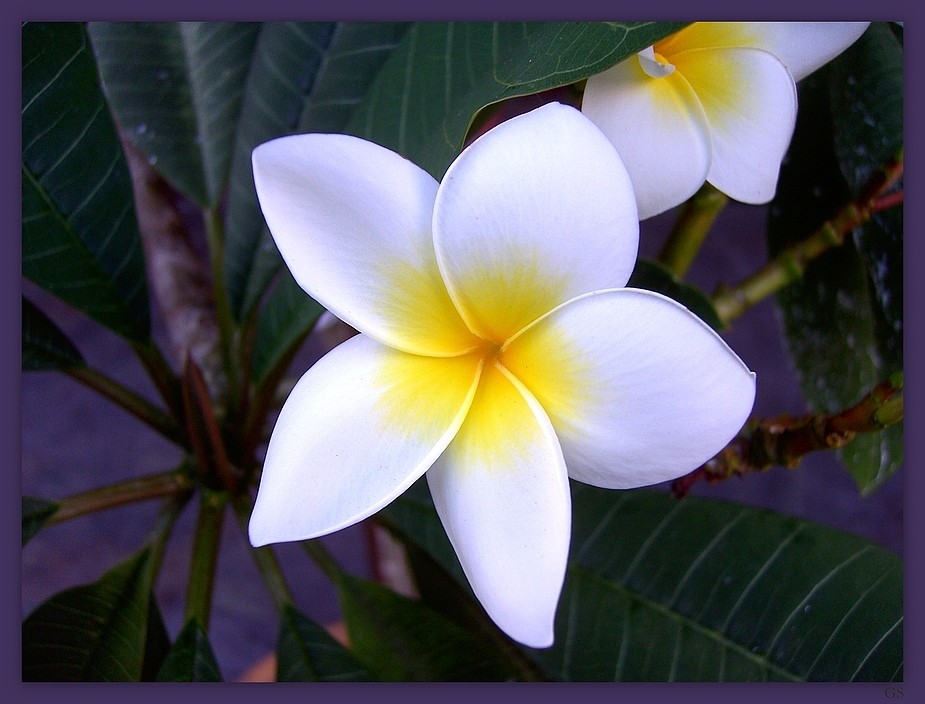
(165, 380)
(157, 538)
(205, 556)
(784, 441)
(265, 558)
(226, 325)
(691, 229)
(176, 483)
(789, 266)
(138, 406)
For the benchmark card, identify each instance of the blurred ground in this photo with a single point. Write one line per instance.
(73, 441)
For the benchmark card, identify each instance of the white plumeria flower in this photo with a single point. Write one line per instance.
(714, 102)
(498, 351)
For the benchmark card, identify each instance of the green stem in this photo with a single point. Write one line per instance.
(265, 399)
(138, 406)
(205, 556)
(226, 324)
(691, 229)
(157, 539)
(176, 483)
(323, 559)
(163, 377)
(788, 266)
(265, 558)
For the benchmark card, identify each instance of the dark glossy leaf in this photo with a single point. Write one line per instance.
(652, 276)
(699, 590)
(400, 639)
(35, 512)
(305, 77)
(80, 237)
(287, 317)
(866, 86)
(836, 330)
(442, 586)
(157, 643)
(422, 101)
(191, 659)
(96, 632)
(44, 345)
(705, 590)
(430, 89)
(176, 88)
(307, 653)
(867, 94)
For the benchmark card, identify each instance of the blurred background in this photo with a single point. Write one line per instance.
(72, 441)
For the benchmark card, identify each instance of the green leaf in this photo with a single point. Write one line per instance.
(705, 590)
(35, 513)
(287, 317)
(191, 659)
(835, 327)
(157, 643)
(44, 345)
(866, 87)
(430, 89)
(306, 652)
(305, 77)
(400, 639)
(443, 588)
(700, 589)
(177, 88)
(80, 238)
(652, 276)
(96, 632)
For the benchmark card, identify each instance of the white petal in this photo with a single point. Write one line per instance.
(638, 389)
(659, 129)
(801, 46)
(534, 212)
(353, 222)
(358, 429)
(750, 101)
(502, 493)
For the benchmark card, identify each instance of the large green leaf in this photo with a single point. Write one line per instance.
(866, 86)
(837, 331)
(97, 632)
(44, 345)
(191, 658)
(306, 652)
(425, 96)
(400, 639)
(305, 77)
(700, 589)
(430, 89)
(176, 88)
(80, 238)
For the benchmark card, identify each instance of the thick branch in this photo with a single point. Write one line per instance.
(179, 277)
(785, 441)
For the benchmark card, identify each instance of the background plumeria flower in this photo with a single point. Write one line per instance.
(714, 102)
(498, 351)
